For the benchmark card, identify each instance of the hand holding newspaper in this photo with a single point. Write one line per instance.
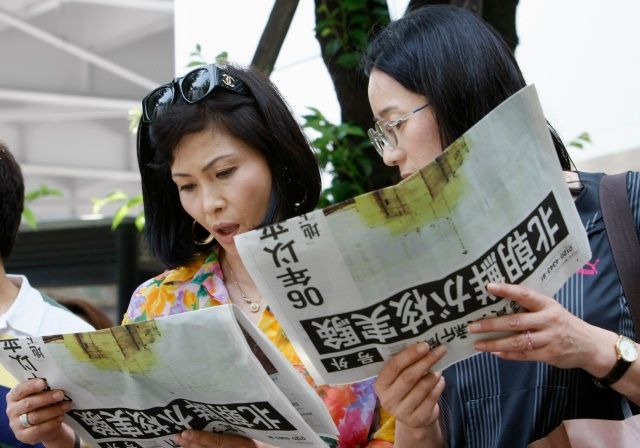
(355, 283)
(136, 385)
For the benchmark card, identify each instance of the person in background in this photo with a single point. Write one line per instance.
(88, 312)
(23, 310)
(433, 74)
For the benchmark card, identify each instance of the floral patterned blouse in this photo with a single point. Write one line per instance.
(353, 407)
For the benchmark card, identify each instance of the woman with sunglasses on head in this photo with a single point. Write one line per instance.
(220, 154)
(432, 75)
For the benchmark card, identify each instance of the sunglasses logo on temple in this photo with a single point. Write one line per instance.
(228, 80)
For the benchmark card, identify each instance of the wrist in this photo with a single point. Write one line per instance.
(603, 357)
(425, 436)
(65, 439)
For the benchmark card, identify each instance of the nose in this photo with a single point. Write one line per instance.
(392, 156)
(213, 202)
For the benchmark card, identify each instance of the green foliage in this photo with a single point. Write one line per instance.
(346, 26)
(135, 115)
(340, 151)
(198, 59)
(42, 191)
(127, 206)
(343, 28)
(580, 141)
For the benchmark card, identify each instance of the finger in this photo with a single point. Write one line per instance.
(186, 444)
(408, 378)
(45, 414)
(417, 394)
(196, 439)
(26, 388)
(35, 402)
(396, 365)
(519, 342)
(512, 322)
(528, 298)
(429, 406)
(35, 434)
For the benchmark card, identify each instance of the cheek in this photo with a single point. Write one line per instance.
(425, 147)
(188, 204)
(255, 196)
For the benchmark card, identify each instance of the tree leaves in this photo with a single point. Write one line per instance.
(43, 191)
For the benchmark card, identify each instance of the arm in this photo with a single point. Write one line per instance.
(427, 437)
(549, 333)
(410, 392)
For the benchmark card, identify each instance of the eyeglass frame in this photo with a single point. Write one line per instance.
(378, 136)
(219, 75)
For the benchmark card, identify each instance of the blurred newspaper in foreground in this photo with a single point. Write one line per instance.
(354, 283)
(135, 386)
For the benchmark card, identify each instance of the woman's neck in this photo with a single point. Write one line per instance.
(231, 263)
(241, 288)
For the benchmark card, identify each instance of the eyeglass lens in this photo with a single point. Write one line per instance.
(159, 101)
(386, 133)
(196, 85)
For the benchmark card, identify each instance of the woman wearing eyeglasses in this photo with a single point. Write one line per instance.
(432, 75)
(220, 154)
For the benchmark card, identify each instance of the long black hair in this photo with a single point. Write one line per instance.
(262, 120)
(458, 62)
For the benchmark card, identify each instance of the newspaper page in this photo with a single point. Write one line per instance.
(137, 385)
(354, 283)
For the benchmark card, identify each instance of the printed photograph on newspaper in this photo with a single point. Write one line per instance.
(137, 385)
(356, 282)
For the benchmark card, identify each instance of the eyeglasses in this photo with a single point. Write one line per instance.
(194, 86)
(383, 135)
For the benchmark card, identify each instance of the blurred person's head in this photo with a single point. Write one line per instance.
(11, 201)
(90, 313)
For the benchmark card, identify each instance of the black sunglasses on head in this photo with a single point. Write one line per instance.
(194, 87)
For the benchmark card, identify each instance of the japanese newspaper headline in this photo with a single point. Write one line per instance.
(354, 283)
(137, 385)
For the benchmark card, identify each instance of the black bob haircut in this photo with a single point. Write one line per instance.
(457, 61)
(11, 201)
(263, 121)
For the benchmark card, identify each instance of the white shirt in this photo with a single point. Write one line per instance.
(30, 315)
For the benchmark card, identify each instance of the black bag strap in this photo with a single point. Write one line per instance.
(623, 239)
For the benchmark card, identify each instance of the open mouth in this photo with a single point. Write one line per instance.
(226, 229)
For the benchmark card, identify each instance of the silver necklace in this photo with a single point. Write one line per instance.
(254, 306)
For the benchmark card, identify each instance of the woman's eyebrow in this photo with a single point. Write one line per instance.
(214, 161)
(204, 168)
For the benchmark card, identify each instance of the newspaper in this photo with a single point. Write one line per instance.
(354, 283)
(137, 385)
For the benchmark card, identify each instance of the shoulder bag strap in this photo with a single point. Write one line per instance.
(623, 239)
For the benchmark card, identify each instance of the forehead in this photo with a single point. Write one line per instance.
(386, 94)
(199, 148)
